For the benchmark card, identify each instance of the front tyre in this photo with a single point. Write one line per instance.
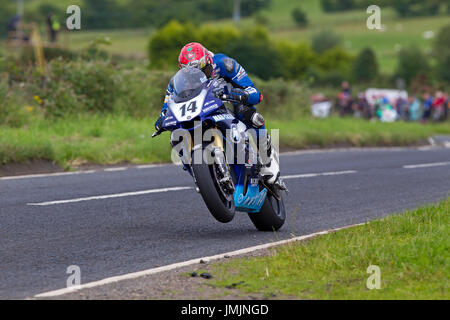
(219, 203)
(272, 215)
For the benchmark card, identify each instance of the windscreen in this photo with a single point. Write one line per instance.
(188, 83)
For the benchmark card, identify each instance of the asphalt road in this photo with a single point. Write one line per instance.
(110, 235)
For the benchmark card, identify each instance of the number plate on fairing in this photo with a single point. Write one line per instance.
(185, 111)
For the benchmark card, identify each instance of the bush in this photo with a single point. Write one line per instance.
(300, 17)
(254, 50)
(411, 62)
(365, 66)
(165, 44)
(325, 40)
(336, 59)
(296, 59)
(409, 8)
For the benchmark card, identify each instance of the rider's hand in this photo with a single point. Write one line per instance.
(240, 95)
(159, 122)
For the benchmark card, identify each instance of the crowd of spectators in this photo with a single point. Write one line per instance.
(408, 107)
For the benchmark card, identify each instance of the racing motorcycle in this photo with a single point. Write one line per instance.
(224, 162)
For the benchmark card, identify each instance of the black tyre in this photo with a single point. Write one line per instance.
(272, 215)
(219, 203)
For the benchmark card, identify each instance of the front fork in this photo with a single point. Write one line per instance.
(216, 149)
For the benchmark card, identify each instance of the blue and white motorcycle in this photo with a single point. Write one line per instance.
(224, 162)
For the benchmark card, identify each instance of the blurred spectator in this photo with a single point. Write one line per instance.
(363, 106)
(446, 106)
(427, 103)
(345, 99)
(401, 106)
(414, 108)
(438, 106)
(53, 27)
(13, 24)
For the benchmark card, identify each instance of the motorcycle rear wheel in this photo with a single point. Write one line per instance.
(272, 215)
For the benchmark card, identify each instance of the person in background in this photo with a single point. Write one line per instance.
(364, 106)
(401, 106)
(414, 108)
(446, 106)
(13, 24)
(53, 27)
(345, 99)
(438, 106)
(427, 103)
(15, 31)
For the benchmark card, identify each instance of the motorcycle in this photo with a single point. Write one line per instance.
(224, 162)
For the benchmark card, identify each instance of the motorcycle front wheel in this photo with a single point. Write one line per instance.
(220, 204)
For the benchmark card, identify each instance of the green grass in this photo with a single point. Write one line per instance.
(412, 251)
(309, 132)
(116, 139)
(96, 139)
(129, 43)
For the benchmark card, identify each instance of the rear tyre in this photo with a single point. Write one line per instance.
(219, 203)
(272, 215)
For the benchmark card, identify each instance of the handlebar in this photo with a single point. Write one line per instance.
(228, 98)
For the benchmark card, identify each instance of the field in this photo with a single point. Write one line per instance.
(349, 25)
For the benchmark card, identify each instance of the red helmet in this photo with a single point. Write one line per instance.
(195, 55)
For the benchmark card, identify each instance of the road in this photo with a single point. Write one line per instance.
(122, 220)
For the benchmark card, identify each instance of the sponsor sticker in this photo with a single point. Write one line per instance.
(221, 117)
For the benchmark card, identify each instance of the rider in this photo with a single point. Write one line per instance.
(243, 90)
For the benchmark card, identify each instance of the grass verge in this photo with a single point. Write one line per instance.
(411, 250)
(116, 139)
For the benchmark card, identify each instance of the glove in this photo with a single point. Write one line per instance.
(240, 95)
(159, 122)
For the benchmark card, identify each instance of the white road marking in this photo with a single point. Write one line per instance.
(108, 196)
(115, 169)
(136, 193)
(184, 264)
(427, 165)
(310, 175)
(148, 166)
(41, 175)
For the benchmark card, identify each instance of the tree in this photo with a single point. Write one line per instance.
(325, 40)
(441, 51)
(365, 66)
(299, 17)
(411, 63)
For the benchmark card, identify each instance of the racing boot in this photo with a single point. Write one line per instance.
(270, 171)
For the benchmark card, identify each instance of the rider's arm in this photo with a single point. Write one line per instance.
(233, 72)
(160, 119)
